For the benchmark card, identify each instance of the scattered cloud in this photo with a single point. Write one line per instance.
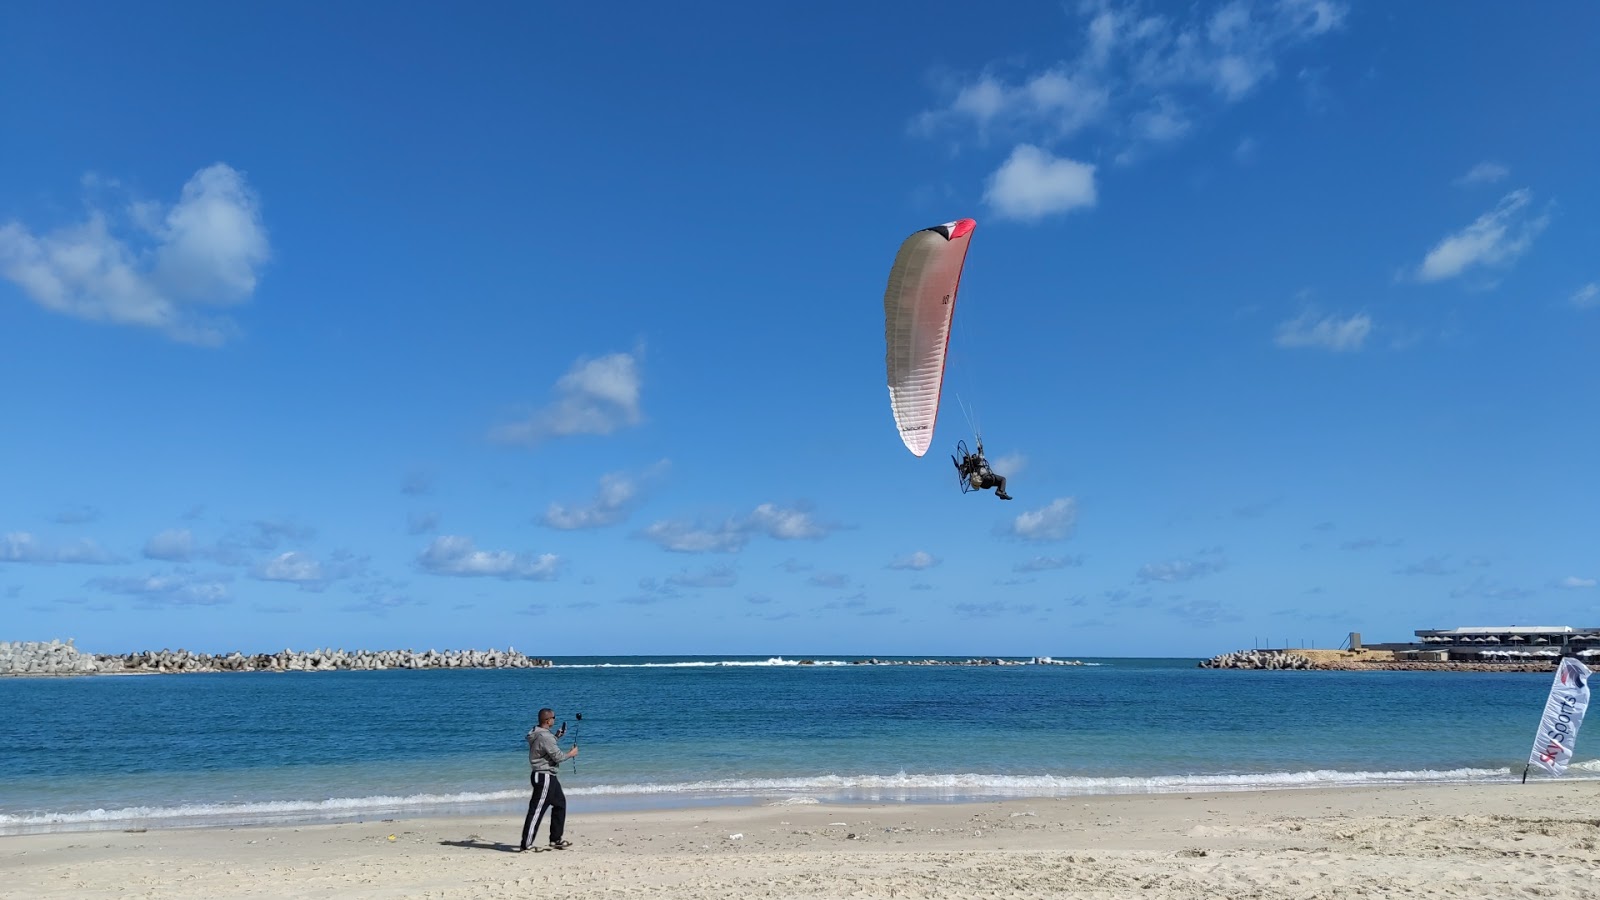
(1047, 563)
(778, 523)
(595, 396)
(244, 546)
(146, 265)
(1573, 582)
(1495, 239)
(1367, 544)
(1034, 183)
(1490, 589)
(1246, 151)
(180, 588)
(686, 537)
(1254, 510)
(23, 547)
(1144, 79)
(172, 545)
(1051, 523)
(304, 570)
(758, 599)
(619, 493)
(1010, 464)
(1326, 332)
(1586, 297)
(1484, 173)
(1202, 613)
(1177, 570)
(715, 576)
(422, 523)
(77, 515)
(832, 580)
(1433, 565)
(380, 604)
(417, 484)
(993, 609)
(456, 555)
(915, 561)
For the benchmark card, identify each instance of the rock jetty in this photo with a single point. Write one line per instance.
(57, 658)
(1361, 661)
(1258, 659)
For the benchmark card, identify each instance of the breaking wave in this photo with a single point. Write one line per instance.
(835, 788)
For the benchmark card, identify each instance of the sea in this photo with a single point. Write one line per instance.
(170, 751)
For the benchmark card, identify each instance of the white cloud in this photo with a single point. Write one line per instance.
(1496, 238)
(768, 519)
(619, 493)
(177, 589)
(23, 547)
(1484, 173)
(456, 555)
(171, 273)
(1054, 102)
(716, 576)
(1177, 570)
(293, 566)
(1586, 297)
(1051, 523)
(1010, 464)
(1161, 122)
(1032, 184)
(785, 524)
(685, 537)
(1573, 582)
(1136, 75)
(915, 561)
(1047, 563)
(595, 396)
(992, 609)
(172, 545)
(1328, 332)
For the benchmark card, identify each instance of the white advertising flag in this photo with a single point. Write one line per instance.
(1563, 713)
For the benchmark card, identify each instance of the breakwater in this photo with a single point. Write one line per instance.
(1257, 659)
(57, 658)
(1357, 661)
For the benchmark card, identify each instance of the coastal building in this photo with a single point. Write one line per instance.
(1499, 643)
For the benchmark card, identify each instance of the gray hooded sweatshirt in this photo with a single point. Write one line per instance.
(543, 754)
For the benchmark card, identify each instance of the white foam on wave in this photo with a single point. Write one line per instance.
(805, 790)
(265, 810)
(1044, 785)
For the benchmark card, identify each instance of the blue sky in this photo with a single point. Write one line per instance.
(560, 328)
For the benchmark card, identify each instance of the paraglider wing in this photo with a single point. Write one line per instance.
(917, 308)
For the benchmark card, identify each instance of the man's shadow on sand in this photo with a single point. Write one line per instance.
(474, 843)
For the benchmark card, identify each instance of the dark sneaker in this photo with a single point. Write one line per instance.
(1002, 495)
(560, 845)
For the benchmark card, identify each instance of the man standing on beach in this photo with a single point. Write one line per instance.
(544, 756)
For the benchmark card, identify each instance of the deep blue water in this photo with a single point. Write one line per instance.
(184, 749)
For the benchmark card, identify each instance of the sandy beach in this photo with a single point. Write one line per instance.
(1536, 840)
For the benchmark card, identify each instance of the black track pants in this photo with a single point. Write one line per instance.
(547, 795)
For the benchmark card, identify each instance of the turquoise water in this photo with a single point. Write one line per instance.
(169, 750)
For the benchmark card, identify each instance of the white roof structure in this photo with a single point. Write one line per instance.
(1505, 629)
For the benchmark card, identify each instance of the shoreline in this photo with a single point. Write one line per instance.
(1452, 840)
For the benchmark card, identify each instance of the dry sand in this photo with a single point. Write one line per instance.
(1485, 841)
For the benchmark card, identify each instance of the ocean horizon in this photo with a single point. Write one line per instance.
(155, 751)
